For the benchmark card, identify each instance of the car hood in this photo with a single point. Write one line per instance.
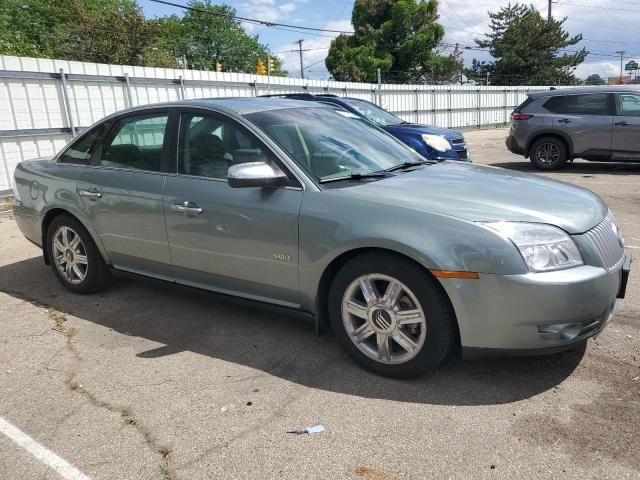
(483, 193)
(417, 129)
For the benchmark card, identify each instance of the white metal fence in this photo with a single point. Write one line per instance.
(44, 102)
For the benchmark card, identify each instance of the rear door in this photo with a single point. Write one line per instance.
(234, 240)
(121, 192)
(587, 120)
(626, 127)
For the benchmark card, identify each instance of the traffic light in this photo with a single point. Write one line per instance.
(260, 68)
(270, 69)
(218, 67)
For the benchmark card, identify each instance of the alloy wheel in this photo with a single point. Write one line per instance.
(70, 255)
(548, 153)
(383, 318)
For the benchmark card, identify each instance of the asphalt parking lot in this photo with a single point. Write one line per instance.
(150, 381)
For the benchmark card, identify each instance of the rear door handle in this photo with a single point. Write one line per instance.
(92, 193)
(186, 207)
(564, 120)
(621, 124)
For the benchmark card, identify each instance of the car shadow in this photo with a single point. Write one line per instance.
(578, 167)
(280, 344)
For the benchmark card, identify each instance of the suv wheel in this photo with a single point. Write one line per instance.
(548, 153)
(390, 315)
(75, 259)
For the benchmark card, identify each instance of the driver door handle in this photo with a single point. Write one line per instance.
(187, 208)
(564, 120)
(621, 124)
(91, 193)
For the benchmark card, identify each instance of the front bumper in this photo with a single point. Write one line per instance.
(535, 313)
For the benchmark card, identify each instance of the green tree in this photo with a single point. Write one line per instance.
(209, 34)
(118, 35)
(594, 79)
(400, 37)
(528, 50)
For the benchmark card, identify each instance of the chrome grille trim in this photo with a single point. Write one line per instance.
(607, 242)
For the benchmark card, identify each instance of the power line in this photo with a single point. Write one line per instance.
(254, 21)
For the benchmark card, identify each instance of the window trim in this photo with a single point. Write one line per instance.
(164, 158)
(617, 105)
(174, 147)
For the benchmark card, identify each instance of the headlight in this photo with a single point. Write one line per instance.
(543, 247)
(434, 141)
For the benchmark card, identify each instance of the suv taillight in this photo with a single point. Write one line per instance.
(521, 116)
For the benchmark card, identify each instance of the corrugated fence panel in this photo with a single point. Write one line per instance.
(34, 95)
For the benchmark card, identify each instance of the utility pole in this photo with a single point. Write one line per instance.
(379, 75)
(621, 53)
(549, 10)
(487, 78)
(300, 52)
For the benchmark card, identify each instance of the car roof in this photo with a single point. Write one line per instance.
(581, 90)
(239, 105)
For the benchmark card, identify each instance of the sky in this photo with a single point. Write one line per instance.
(607, 27)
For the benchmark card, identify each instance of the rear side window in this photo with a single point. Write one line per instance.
(81, 150)
(135, 143)
(524, 104)
(589, 104)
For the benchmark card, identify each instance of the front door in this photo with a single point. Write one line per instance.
(234, 240)
(626, 127)
(121, 193)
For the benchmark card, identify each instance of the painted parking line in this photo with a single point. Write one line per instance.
(41, 453)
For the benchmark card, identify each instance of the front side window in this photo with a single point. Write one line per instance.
(210, 144)
(136, 143)
(80, 151)
(329, 143)
(588, 104)
(628, 104)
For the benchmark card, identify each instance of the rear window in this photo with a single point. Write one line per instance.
(589, 104)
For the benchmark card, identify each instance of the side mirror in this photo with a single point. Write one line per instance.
(256, 174)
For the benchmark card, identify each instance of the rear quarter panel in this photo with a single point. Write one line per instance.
(44, 185)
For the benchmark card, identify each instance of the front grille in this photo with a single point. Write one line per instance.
(607, 239)
(457, 140)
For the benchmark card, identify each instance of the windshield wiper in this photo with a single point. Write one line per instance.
(406, 165)
(357, 176)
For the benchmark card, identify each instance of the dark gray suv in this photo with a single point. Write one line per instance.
(555, 126)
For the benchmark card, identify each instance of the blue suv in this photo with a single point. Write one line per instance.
(433, 143)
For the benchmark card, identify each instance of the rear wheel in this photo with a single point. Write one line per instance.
(549, 153)
(390, 315)
(75, 259)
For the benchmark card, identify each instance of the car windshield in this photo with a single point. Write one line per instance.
(330, 144)
(372, 112)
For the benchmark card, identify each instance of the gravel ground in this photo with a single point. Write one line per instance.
(150, 381)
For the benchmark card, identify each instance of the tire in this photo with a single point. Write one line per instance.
(419, 303)
(548, 153)
(90, 274)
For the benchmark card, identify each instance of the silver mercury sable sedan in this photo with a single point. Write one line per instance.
(304, 206)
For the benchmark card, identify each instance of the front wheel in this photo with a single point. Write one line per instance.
(391, 315)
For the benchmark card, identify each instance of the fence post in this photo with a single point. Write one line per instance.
(479, 122)
(379, 74)
(182, 93)
(433, 106)
(127, 85)
(255, 88)
(417, 98)
(506, 112)
(67, 103)
(449, 101)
